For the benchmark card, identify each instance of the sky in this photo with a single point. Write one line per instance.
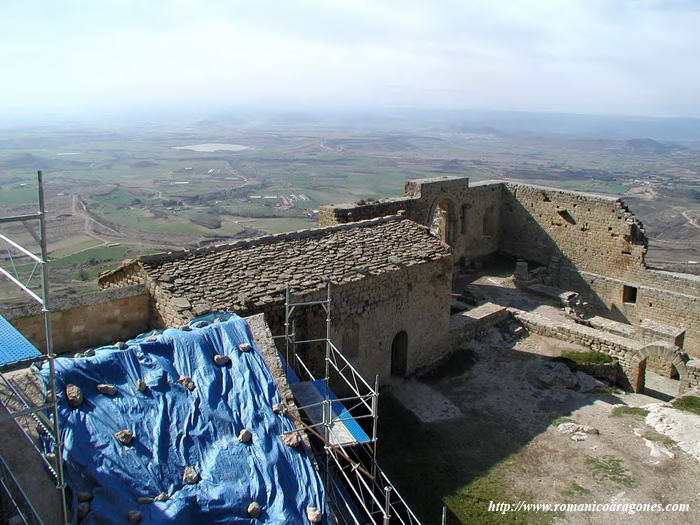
(635, 57)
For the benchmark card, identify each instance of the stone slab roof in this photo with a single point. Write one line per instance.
(255, 272)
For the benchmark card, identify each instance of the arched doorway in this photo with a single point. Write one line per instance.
(663, 386)
(442, 221)
(399, 354)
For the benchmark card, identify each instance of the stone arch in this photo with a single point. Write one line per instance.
(443, 219)
(667, 353)
(399, 354)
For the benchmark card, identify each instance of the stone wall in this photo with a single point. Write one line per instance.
(594, 245)
(589, 243)
(463, 207)
(86, 321)
(632, 356)
(366, 315)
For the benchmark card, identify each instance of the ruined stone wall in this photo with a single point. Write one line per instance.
(595, 246)
(633, 356)
(345, 213)
(473, 212)
(86, 321)
(481, 220)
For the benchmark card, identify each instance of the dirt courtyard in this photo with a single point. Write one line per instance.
(483, 428)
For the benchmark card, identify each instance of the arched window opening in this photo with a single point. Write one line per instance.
(442, 222)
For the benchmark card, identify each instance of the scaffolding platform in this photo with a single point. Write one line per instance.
(344, 430)
(14, 348)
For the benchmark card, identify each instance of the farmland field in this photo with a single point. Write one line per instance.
(116, 191)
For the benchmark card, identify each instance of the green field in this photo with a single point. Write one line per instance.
(127, 185)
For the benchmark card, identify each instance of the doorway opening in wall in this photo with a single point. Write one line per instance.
(399, 354)
(442, 221)
(660, 382)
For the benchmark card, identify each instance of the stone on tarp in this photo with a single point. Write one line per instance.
(74, 395)
(245, 435)
(279, 408)
(124, 436)
(151, 339)
(107, 389)
(187, 382)
(121, 345)
(135, 516)
(141, 385)
(90, 352)
(254, 509)
(314, 515)
(84, 496)
(190, 476)
(145, 500)
(291, 440)
(186, 328)
(221, 360)
(245, 347)
(162, 497)
(201, 324)
(83, 509)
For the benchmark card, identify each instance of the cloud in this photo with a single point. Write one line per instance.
(597, 56)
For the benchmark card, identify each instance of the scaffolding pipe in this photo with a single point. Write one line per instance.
(58, 446)
(387, 505)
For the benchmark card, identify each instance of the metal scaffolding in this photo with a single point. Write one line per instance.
(15, 402)
(344, 427)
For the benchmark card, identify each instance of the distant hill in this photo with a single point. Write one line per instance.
(646, 146)
(27, 161)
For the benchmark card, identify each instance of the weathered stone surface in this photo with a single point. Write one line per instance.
(141, 385)
(548, 374)
(190, 476)
(291, 440)
(577, 432)
(245, 435)
(244, 347)
(314, 515)
(145, 500)
(278, 408)
(254, 509)
(74, 396)
(181, 303)
(90, 352)
(83, 509)
(162, 497)
(135, 516)
(107, 389)
(187, 382)
(125, 437)
(221, 360)
(121, 345)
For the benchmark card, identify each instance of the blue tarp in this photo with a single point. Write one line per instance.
(175, 428)
(13, 346)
